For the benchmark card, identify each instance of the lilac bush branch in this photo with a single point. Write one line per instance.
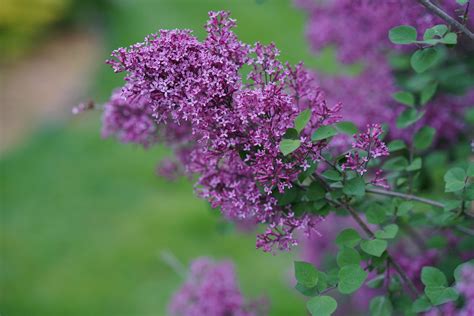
(405, 196)
(446, 17)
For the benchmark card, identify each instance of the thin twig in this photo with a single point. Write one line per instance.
(465, 230)
(446, 17)
(369, 233)
(404, 196)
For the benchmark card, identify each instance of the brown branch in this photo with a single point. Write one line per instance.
(369, 233)
(446, 17)
(404, 196)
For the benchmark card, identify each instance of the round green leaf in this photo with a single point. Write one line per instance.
(408, 117)
(431, 276)
(437, 30)
(403, 34)
(396, 145)
(423, 59)
(355, 187)
(450, 39)
(388, 232)
(321, 306)
(380, 306)
(348, 237)
(439, 294)
(306, 274)
(424, 137)
(346, 127)
(287, 146)
(347, 256)
(455, 180)
(324, 132)
(404, 97)
(374, 247)
(351, 278)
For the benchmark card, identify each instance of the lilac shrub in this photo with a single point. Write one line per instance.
(270, 149)
(234, 128)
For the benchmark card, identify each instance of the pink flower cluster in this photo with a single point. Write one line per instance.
(223, 129)
(359, 30)
(211, 289)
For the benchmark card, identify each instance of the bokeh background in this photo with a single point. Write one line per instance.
(85, 221)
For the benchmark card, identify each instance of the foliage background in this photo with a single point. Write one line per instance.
(83, 220)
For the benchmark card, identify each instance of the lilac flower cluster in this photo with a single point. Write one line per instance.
(370, 144)
(211, 289)
(129, 120)
(359, 30)
(223, 129)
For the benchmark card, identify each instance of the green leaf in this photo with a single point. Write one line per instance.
(287, 146)
(395, 164)
(347, 256)
(421, 305)
(431, 276)
(462, 2)
(331, 174)
(455, 180)
(415, 164)
(396, 145)
(404, 208)
(354, 187)
(424, 137)
(315, 192)
(346, 127)
(307, 291)
(403, 34)
(302, 120)
(404, 97)
(291, 133)
(374, 247)
(408, 117)
(324, 132)
(423, 59)
(450, 39)
(306, 274)
(380, 306)
(375, 214)
(470, 170)
(348, 237)
(321, 305)
(376, 282)
(437, 30)
(388, 232)
(428, 92)
(287, 197)
(351, 278)
(439, 294)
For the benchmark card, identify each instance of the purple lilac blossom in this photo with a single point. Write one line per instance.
(221, 128)
(211, 289)
(129, 120)
(359, 30)
(367, 146)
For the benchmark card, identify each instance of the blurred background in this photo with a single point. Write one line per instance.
(84, 220)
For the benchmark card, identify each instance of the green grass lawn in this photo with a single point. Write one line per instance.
(84, 220)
